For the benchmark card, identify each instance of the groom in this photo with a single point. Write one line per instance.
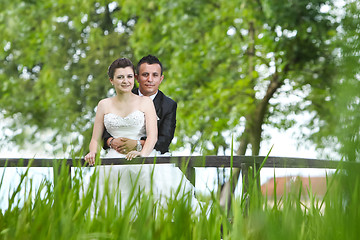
(149, 76)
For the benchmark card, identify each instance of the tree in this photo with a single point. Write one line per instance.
(347, 108)
(227, 59)
(54, 64)
(342, 128)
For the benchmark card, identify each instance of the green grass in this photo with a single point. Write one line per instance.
(71, 209)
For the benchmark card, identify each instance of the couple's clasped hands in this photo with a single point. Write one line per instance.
(121, 145)
(125, 146)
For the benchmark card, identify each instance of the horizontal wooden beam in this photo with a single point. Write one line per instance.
(190, 161)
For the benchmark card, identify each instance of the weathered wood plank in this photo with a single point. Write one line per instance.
(190, 161)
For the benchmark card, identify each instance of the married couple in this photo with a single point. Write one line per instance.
(139, 122)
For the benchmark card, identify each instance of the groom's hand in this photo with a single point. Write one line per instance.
(123, 145)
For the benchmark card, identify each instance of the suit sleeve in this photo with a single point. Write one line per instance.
(166, 129)
(105, 137)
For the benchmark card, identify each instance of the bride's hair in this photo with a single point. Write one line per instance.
(119, 63)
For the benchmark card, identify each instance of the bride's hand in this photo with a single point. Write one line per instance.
(131, 155)
(90, 158)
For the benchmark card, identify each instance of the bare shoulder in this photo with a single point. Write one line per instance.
(145, 99)
(103, 103)
(145, 102)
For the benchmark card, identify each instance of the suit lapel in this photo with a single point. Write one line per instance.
(157, 103)
(135, 91)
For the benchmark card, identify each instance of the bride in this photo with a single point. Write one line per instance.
(132, 116)
(127, 109)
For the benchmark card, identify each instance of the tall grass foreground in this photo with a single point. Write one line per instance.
(72, 209)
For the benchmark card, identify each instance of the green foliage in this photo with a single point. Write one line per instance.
(55, 62)
(78, 209)
(340, 125)
(347, 102)
(219, 72)
(58, 211)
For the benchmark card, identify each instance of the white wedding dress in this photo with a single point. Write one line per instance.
(162, 179)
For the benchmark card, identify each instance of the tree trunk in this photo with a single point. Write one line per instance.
(227, 189)
(254, 121)
(251, 135)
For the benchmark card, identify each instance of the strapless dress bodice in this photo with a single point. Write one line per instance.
(132, 126)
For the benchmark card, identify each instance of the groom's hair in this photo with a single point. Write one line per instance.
(119, 63)
(149, 59)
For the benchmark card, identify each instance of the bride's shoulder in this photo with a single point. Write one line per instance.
(145, 100)
(141, 99)
(104, 102)
(146, 104)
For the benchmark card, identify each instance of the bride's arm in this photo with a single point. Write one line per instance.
(151, 126)
(147, 106)
(97, 132)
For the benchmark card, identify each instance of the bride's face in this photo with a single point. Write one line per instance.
(123, 79)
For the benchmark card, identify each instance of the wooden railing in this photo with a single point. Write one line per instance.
(189, 162)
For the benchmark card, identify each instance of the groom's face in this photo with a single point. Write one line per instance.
(149, 78)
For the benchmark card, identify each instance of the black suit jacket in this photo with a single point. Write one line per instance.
(166, 111)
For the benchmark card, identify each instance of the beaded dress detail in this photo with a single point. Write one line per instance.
(131, 126)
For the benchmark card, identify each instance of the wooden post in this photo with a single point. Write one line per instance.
(190, 175)
(188, 170)
(258, 185)
(245, 187)
(245, 177)
(57, 167)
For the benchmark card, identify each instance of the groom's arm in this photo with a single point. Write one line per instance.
(122, 145)
(105, 138)
(166, 129)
